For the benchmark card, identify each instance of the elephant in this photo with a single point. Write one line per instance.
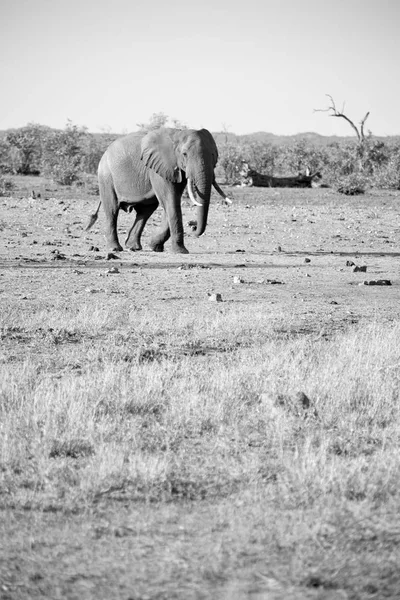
(142, 170)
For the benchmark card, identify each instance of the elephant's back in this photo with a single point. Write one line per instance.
(123, 153)
(121, 164)
(128, 145)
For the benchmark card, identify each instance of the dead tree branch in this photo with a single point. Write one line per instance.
(334, 112)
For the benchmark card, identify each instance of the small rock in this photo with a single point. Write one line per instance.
(240, 250)
(77, 271)
(307, 260)
(303, 400)
(350, 263)
(112, 271)
(279, 248)
(215, 297)
(93, 249)
(192, 225)
(237, 280)
(57, 255)
(111, 256)
(273, 282)
(333, 302)
(377, 282)
(362, 269)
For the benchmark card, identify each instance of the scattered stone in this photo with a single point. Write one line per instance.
(192, 225)
(237, 279)
(303, 400)
(215, 297)
(273, 282)
(93, 249)
(350, 263)
(92, 290)
(77, 271)
(362, 269)
(112, 271)
(57, 255)
(111, 256)
(307, 260)
(377, 282)
(24, 234)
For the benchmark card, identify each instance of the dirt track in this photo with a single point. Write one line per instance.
(263, 239)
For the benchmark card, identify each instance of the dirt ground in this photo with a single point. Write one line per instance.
(283, 251)
(288, 249)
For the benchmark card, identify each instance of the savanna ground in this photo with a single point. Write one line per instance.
(158, 445)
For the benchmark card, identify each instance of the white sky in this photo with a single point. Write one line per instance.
(244, 65)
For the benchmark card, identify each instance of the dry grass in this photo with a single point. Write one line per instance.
(191, 424)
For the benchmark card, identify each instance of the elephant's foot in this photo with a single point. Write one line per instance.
(114, 248)
(157, 247)
(134, 247)
(179, 249)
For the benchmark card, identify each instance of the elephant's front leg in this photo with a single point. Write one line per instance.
(169, 195)
(143, 213)
(158, 240)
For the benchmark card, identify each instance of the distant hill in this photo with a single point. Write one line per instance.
(222, 137)
(312, 138)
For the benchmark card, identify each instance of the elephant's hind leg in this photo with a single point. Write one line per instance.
(143, 213)
(110, 205)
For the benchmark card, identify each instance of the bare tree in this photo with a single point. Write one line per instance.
(334, 112)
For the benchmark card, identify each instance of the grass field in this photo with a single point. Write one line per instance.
(156, 445)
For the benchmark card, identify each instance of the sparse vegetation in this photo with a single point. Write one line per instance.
(70, 154)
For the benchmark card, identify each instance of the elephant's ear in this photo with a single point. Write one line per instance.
(210, 142)
(158, 154)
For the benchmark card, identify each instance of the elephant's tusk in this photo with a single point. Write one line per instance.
(192, 193)
(221, 193)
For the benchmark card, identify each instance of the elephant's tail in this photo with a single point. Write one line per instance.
(93, 218)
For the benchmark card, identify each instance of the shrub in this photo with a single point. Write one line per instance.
(26, 148)
(64, 155)
(353, 184)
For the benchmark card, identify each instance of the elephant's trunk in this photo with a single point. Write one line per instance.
(199, 189)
